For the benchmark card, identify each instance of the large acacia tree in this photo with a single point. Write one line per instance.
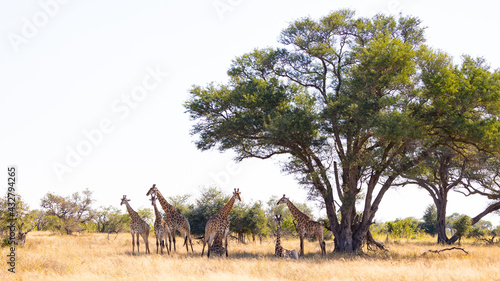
(348, 103)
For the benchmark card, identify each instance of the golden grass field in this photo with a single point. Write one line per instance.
(93, 257)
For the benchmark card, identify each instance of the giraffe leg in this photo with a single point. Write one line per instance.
(169, 246)
(173, 238)
(225, 246)
(156, 244)
(322, 243)
(210, 241)
(133, 244)
(301, 245)
(137, 242)
(162, 241)
(146, 241)
(203, 250)
(191, 243)
(185, 234)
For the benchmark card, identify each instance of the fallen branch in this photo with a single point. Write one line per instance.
(236, 238)
(446, 249)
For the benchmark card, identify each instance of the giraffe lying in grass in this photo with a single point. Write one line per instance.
(305, 226)
(279, 251)
(218, 225)
(217, 247)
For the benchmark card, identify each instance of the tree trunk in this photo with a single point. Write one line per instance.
(441, 221)
(349, 233)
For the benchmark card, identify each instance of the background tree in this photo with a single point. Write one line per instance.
(22, 216)
(111, 220)
(208, 204)
(147, 215)
(68, 214)
(462, 227)
(430, 220)
(484, 179)
(443, 171)
(180, 202)
(404, 228)
(249, 219)
(350, 103)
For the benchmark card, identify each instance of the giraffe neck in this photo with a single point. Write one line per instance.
(157, 213)
(133, 214)
(295, 211)
(169, 209)
(278, 250)
(278, 237)
(224, 211)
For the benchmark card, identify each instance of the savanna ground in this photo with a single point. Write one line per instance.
(94, 257)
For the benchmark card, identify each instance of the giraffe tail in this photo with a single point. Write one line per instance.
(185, 240)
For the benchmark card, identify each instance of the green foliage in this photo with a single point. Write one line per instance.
(15, 215)
(430, 220)
(20, 212)
(180, 202)
(111, 220)
(208, 204)
(462, 226)
(249, 219)
(404, 228)
(147, 215)
(68, 214)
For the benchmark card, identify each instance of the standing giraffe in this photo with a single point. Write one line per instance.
(219, 224)
(279, 251)
(175, 220)
(161, 229)
(137, 226)
(305, 226)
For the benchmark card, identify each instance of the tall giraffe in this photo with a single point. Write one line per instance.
(175, 220)
(137, 226)
(279, 251)
(219, 224)
(161, 229)
(305, 226)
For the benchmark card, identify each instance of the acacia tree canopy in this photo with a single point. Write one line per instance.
(352, 103)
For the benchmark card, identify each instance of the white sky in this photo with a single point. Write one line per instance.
(70, 67)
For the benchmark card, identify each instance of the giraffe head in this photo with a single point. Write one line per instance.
(124, 200)
(283, 200)
(153, 199)
(279, 220)
(152, 190)
(236, 193)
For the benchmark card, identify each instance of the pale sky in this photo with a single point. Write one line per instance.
(92, 92)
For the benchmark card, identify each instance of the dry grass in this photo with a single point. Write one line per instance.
(94, 257)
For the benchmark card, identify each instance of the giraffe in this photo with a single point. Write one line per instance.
(217, 247)
(218, 225)
(305, 226)
(279, 251)
(161, 228)
(21, 235)
(137, 226)
(175, 220)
